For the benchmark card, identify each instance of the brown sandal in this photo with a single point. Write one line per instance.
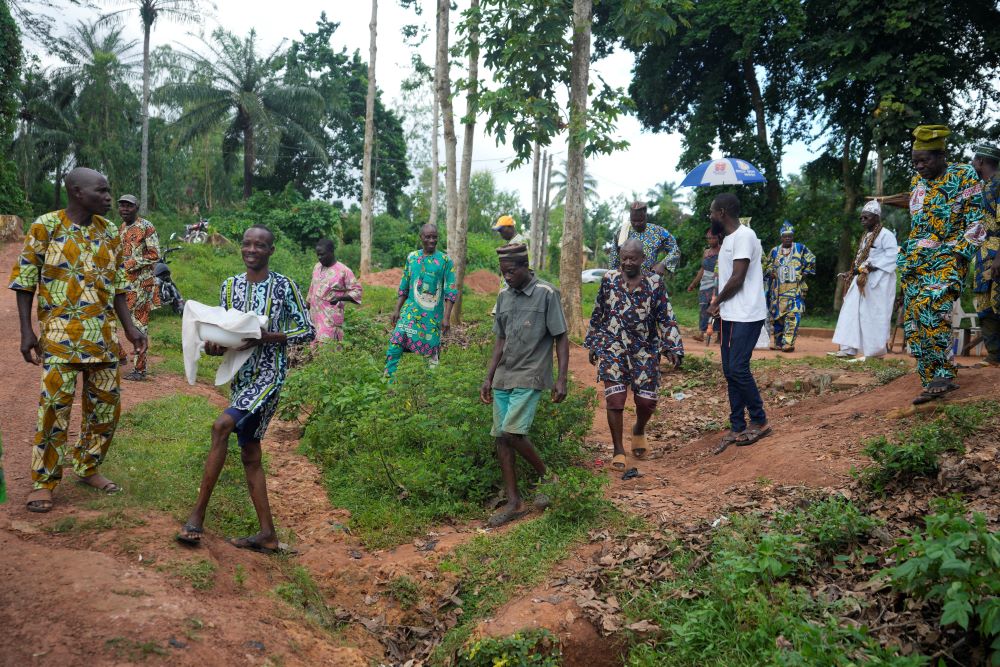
(618, 462)
(639, 449)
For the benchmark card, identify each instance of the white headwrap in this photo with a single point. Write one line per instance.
(873, 207)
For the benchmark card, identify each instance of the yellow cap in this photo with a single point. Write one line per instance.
(504, 221)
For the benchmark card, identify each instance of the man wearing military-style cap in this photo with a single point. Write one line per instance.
(507, 229)
(655, 240)
(987, 278)
(141, 252)
(529, 323)
(946, 228)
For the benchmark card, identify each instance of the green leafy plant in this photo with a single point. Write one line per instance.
(405, 591)
(828, 525)
(954, 562)
(916, 452)
(534, 648)
(577, 497)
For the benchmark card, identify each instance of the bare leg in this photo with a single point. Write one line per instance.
(251, 455)
(616, 419)
(221, 430)
(644, 410)
(614, 397)
(509, 471)
(523, 446)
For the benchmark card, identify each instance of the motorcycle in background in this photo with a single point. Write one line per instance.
(170, 296)
(196, 233)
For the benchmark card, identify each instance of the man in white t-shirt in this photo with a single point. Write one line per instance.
(742, 309)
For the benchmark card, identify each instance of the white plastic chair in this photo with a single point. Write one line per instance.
(957, 315)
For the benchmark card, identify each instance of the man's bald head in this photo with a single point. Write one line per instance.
(633, 245)
(88, 191)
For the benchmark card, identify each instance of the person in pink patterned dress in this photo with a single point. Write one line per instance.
(333, 284)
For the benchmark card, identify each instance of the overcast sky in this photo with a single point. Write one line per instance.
(650, 159)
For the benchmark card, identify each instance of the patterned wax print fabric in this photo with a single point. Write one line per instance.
(784, 275)
(76, 270)
(101, 409)
(655, 241)
(257, 385)
(946, 227)
(140, 251)
(987, 286)
(630, 329)
(328, 282)
(428, 281)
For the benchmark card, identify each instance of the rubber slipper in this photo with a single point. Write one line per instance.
(190, 534)
(110, 488)
(618, 462)
(631, 473)
(250, 544)
(639, 449)
(504, 516)
(928, 396)
(39, 506)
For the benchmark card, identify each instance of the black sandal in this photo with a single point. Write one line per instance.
(190, 534)
(943, 387)
(251, 544)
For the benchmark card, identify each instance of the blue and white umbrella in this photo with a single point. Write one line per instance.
(724, 171)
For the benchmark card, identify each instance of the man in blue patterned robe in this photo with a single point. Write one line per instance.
(785, 271)
(257, 386)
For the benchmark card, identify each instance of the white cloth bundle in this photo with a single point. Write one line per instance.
(235, 325)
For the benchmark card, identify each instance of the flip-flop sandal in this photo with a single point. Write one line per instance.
(752, 435)
(639, 449)
(39, 506)
(618, 462)
(249, 544)
(727, 440)
(190, 534)
(504, 516)
(110, 488)
(631, 473)
(928, 396)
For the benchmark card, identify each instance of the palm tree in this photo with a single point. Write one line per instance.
(47, 125)
(558, 183)
(665, 194)
(182, 11)
(236, 86)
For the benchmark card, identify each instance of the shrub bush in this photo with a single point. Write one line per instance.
(534, 648)
(955, 563)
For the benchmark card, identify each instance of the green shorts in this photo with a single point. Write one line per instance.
(514, 410)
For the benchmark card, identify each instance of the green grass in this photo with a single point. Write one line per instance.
(200, 573)
(158, 457)
(493, 568)
(301, 593)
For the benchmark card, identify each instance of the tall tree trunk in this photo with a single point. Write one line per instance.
(851, 174)
(772, 186)
(468, 139)
(535, 239)
(248, 159)
(543, 252)
(435, 159)
(57, 204)
(448, 118)
(571, 259)
(366, 164)
(144, 158)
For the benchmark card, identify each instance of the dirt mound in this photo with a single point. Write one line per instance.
(387, 278)
(483, 282)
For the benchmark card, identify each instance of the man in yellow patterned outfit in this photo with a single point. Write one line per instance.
(946, 211)
(73, 259)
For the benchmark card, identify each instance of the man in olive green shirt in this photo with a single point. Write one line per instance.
(529, 319)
